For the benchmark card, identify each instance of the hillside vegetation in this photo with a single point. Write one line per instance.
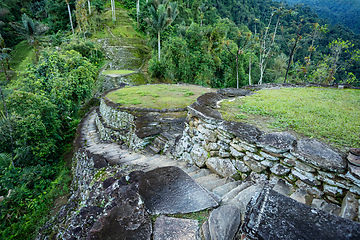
(332, 115)
(345, 12)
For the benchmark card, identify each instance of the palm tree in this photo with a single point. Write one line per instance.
(202, 8)
(31, 30)
(162, 14)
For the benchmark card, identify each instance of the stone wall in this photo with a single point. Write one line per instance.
(243, 151)
(310, 168)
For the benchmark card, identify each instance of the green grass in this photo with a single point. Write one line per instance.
(332, 115)
(120, 72)
(21, 55)
(158, 96)
(123, 26)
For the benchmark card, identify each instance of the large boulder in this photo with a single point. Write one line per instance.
(169, 190)
(271, 215)
(318, 154)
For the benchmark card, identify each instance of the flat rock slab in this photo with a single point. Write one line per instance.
(282, 141)
(169, 190)
(169, 228)
(233, 92)
(224, 222)
(204, 111)
(320, 155)
(274, 216)
(242, 130)
(210, 99)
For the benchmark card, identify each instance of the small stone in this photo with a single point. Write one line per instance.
(268, 156)
(355, 151)
(326, 174)
(242, 147)
(284, 187)
(199, 155)
(258, 178)
(214, 153)
(325, 206)
(254, 165)
(288, 162)
(333, 191)
(304, 167)
(290, 178)
(210, 126)
(332, 199)
(355, 190)
(176, 228)
(354, 159)
(267, 163)
(311, 190)
(289, 156)
(221, 166)
(279, 170)
(355, 170)
(205, 230)
(306, 177)
(349, 207)
(351, 178)
(186, 157)
(240, 166)
(341, 184)
(223, 153)
(212, 146)
(224, 145)
(235, 153)
(302, 196)
(254, 156)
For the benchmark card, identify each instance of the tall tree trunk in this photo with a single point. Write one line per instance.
(113, 10)
(89, 7)
(237, 72)
(137, 11)
(10, 129)
(250, 66)
(72, 26)
(159, 44)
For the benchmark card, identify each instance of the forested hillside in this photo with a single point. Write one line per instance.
(50, 58)
(345, 12)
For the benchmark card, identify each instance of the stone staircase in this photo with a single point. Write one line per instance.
(226, 191)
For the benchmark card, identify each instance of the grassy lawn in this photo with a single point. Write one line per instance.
(332, 115)
(120, 72)
(158, 96)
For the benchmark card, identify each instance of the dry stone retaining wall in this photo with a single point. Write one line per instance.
(243, 151)
(309, 168)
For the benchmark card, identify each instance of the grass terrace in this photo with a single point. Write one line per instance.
(119, 72)
(158, 96)
(332, 115)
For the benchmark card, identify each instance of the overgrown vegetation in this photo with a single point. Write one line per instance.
(326, 113)
(158, 96)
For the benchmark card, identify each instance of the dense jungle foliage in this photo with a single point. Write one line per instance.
(49, 62)
(345, 12)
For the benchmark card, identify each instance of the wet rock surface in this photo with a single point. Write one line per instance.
(170, 190)
(274, 216)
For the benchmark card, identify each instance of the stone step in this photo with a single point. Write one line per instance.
(224, 189)
(227, 198)
(207, 179)
(200, 173)
(214, 184)
(190, 168)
